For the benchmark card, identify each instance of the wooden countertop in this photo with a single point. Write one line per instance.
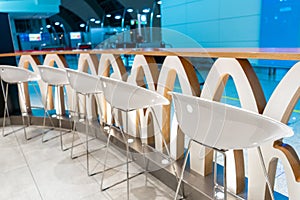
(247, 53)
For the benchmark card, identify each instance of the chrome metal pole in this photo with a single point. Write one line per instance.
(265, 172)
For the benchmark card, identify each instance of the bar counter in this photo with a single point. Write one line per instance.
(233, 62)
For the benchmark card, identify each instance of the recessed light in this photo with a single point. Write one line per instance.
(146, 10)
(118, 17)
(130, 10)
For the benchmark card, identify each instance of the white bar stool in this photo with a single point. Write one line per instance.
(126, 97)
(16, 75)
(223, 127)
(86, 85)
(54, 77)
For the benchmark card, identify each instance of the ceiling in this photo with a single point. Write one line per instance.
(75, 12)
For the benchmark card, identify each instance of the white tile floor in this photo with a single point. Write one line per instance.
(32, 170)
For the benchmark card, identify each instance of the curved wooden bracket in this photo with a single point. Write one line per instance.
(291, 156)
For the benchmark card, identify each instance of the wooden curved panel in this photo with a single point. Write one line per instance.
(60, 61)
(291, 156)
(107, 60)
(251, 97)
(119, 72)
(280, 107)
(174, 66)
(88, 61)
(143, 68)
(25, 62)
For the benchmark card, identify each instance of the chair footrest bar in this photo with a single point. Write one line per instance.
(53, 136)
(122, 181)
(81, 143)
(14, 130)
(109, 169)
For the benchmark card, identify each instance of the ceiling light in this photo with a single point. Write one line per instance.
(159, 2)
(48, 26)
(146, 10)
(108, 15)
(97, 22)
(92, 19)
(130, 10)
(56, 23)
(118, 17)
(158, 16)
(82, 25)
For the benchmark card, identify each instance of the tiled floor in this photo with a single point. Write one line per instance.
(32, 170)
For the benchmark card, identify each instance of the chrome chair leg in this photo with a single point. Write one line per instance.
(225, 176)
(87, 139)
(165, 144)
(22, 94)
(61, 134)
(146, 163)
(25, 132)
(216, 185)
(182, 171)
(45, 112)
(59, 119)
(74, 126)
(6, 112)
(105, 156)
(127, 154)
(215, 171)
(73, 138)
(265, 172)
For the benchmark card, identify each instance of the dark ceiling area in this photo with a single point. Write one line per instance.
(73, 13)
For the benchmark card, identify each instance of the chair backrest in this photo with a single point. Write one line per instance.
(126, 96)
(223, 126)
(83, 83)
(53, 76)
(13, 74)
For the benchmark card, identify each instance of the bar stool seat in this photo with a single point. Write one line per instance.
(57, 78)
(127, 97)
(86, 85)
(223, 127)
(16, 75)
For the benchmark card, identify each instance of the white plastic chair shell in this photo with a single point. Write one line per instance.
(223, 126)
(53, 76)
(126, 96)
(13, 74)
(83, 83)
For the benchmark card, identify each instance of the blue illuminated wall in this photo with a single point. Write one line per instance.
(280, 23)
(234, 23)
(280, 27)
(213, 23)
(30, 6)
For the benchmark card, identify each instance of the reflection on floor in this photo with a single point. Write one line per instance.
(31, 170)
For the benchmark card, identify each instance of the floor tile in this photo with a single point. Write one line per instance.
(11, 158)
(138, 189)
(18, 184)
(97, 196)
